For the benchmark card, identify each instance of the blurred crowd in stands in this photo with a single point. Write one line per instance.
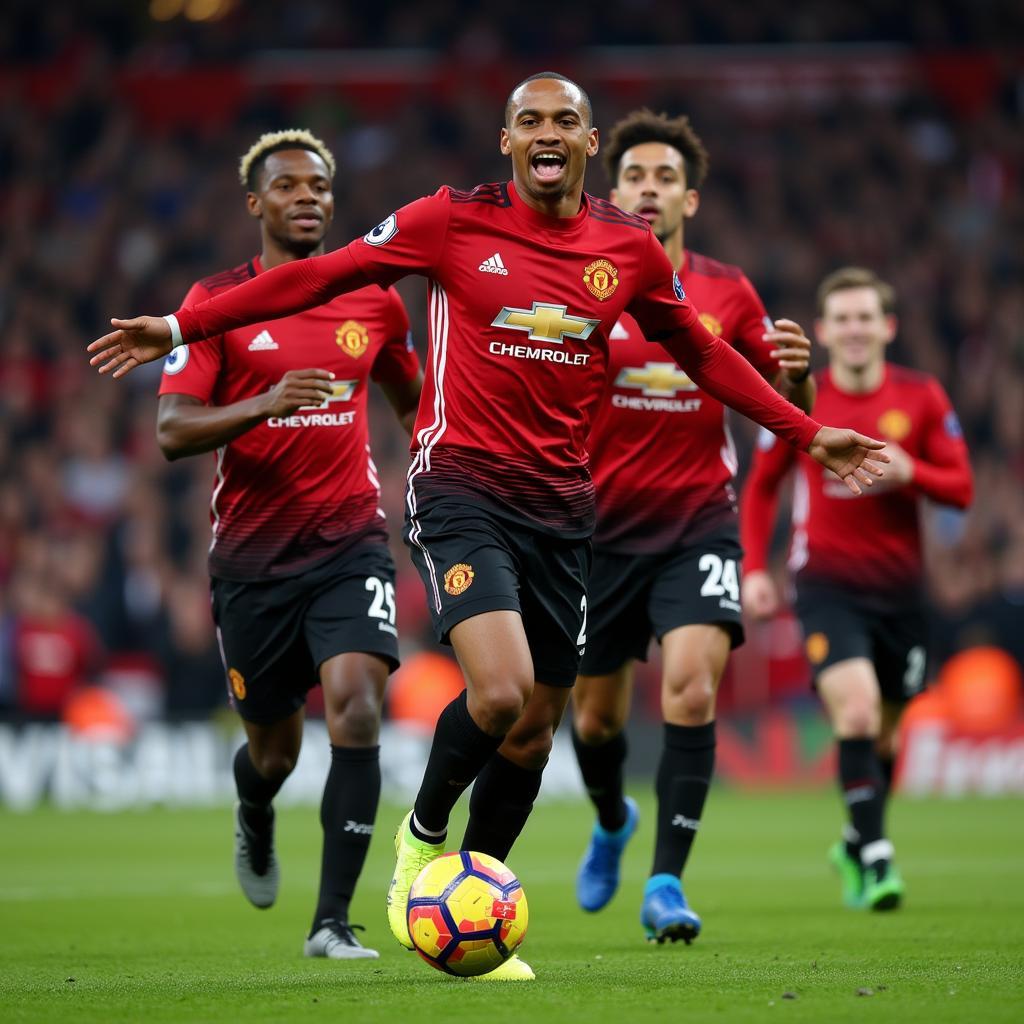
(108, 211)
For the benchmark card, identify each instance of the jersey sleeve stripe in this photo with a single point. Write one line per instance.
(640, 225)
(492, 195)
(612, 214)
(218, 487)
(428, 436)
(228, 278)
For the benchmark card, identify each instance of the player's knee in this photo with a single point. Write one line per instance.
(274, 765)
(530, 750)
(357, 723)
(499, 708)
(595, 726)
(689, 698)
(858, 719)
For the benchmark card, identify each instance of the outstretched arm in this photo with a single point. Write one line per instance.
(281, 291)
(409, 241)
(666, 315)
(724, 374)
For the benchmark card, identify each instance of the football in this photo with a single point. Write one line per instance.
(467, 913)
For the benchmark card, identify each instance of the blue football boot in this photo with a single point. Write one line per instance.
(598, 876)
(665, 914)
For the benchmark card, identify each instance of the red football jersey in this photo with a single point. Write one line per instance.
(661, 452)
(294, 490)
(51, 658)
(869, 544)
(521, 306)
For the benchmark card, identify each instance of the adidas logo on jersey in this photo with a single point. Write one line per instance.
(493, 265)
(263, 342)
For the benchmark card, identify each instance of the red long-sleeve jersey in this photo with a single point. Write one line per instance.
(521, 307)
(869, 544)
(295, 490)
(661, 452)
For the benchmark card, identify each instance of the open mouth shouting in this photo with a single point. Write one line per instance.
(548, 166)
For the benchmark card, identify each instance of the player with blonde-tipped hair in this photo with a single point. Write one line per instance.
(302, 580)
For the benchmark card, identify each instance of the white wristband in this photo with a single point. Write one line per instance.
(176, 339)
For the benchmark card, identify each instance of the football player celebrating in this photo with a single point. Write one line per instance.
(862, 611)
(666, 545)
(302, 579)
(500, 503)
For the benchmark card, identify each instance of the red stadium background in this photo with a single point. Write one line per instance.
(847, 135)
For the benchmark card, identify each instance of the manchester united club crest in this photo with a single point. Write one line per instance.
(817, 648)
(601, 278)
(712, 323)
(894, 424)
(352, 338)
(458, 578)
(237, 681)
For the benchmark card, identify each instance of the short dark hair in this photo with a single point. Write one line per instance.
(856, 277)
(588, 110)
(646, 126)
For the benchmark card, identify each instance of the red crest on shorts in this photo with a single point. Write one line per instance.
(458, 579)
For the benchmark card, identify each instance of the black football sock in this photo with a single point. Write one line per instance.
(684, 775)
(347, 813)
(459, 750)
(502, 799)
(254, 791)
(887, 768)
(601, 766)
(860, 779)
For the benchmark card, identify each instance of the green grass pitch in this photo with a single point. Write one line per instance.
(136, 917)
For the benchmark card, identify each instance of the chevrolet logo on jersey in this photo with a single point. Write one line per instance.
(341, 391)
(656, 380)
(546, 322)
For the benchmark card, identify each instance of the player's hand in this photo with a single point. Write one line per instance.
(299, 389)
(792, 348)
(855, 458)
(132, 343)
(760, 596)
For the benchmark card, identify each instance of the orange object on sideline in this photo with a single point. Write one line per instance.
(422, 688)
(96, 714)
(983, 690)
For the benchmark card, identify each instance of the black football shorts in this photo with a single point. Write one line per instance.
(274, 636)
(635, 597)
(839, 625)
(472, 561)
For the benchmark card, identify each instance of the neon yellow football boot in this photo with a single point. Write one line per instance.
(513, 969)
(412, 856)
